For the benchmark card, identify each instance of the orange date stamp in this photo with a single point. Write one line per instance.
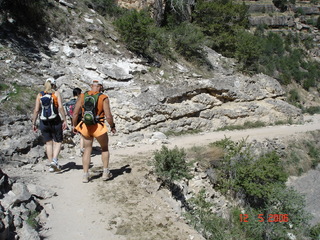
(269, 218)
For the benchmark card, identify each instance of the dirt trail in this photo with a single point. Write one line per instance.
(129, 205)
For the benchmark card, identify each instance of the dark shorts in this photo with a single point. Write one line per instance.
(52, 130)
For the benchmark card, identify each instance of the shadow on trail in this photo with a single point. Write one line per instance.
(95, 151)
(68, 166)
(115, 172)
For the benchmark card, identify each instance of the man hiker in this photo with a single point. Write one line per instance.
(69, 106)
(95, 110)
(50, 110)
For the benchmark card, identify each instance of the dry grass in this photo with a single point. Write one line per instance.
(206, 156)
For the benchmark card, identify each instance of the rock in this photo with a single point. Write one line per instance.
(116, 72)
(40, 192)
(158, 136)
(68, 51)
(274, 21)
(28, 233)
(42, 217)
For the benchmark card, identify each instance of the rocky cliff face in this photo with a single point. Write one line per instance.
(174, 97)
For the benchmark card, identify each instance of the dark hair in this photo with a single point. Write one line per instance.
(76, 92)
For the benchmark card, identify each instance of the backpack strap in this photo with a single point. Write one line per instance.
(44, 93)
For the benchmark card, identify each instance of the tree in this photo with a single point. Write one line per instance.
(134, 29)
(221, 20)
(27, 13)
(248, 49)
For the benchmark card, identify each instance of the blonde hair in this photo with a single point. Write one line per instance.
(48, 87)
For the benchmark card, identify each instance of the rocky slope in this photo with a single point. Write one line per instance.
(146, 99)
(174, 97)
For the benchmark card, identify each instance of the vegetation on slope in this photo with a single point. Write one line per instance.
(184, 29)
(265, 209)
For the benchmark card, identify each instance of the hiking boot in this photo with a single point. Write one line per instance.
(106, 176)
(54, 167)
(85, 178)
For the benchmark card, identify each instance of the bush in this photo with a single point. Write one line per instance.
(253, 176)
(134, 28)
(257, 179)
(315, 232)
(293, 97)
(281, 4)
(312, 110)
(282, 201)
(188, 41)
(140, 34)
(248, 48)
(200, 216)
(27, 13)
(261, 181)
(177, 12)
(171, 165)
(221, 20)
(318, 23)
(4, 87)
(106, 7)
(246, 125)
(273, 45)
(19, 94)
(32, 220)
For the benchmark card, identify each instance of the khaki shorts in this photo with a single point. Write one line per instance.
(91, 131)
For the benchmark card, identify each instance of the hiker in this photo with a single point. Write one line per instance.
(50, 110)
(95, 110)
(69, 106)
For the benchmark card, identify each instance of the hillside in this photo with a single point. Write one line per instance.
(153, 99)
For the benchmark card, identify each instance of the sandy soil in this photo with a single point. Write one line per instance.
(129, 206)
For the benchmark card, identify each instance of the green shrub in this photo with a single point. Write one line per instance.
(200, 216)
(175, 133)
(248, 48)
(256, 177)
(106, 7)
(31, 220)
(171, 165)
(20, 94)
(188, 40)
(176, 12)
(278, 56)
(140, 34)
(282, 201)
(312, 110)
(273, 45)
(299, 12)
(289, 201)
(221, 20)
(308, 83)
(246, 125)
(315, 232)
(261, 181)
(282, 4)
(28, 14)
(3, 87)
(318, 23)
(134, 28)
(313, 152)
(159, 41)
(293, 97)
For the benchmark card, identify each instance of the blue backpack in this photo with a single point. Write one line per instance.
(48, 108)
